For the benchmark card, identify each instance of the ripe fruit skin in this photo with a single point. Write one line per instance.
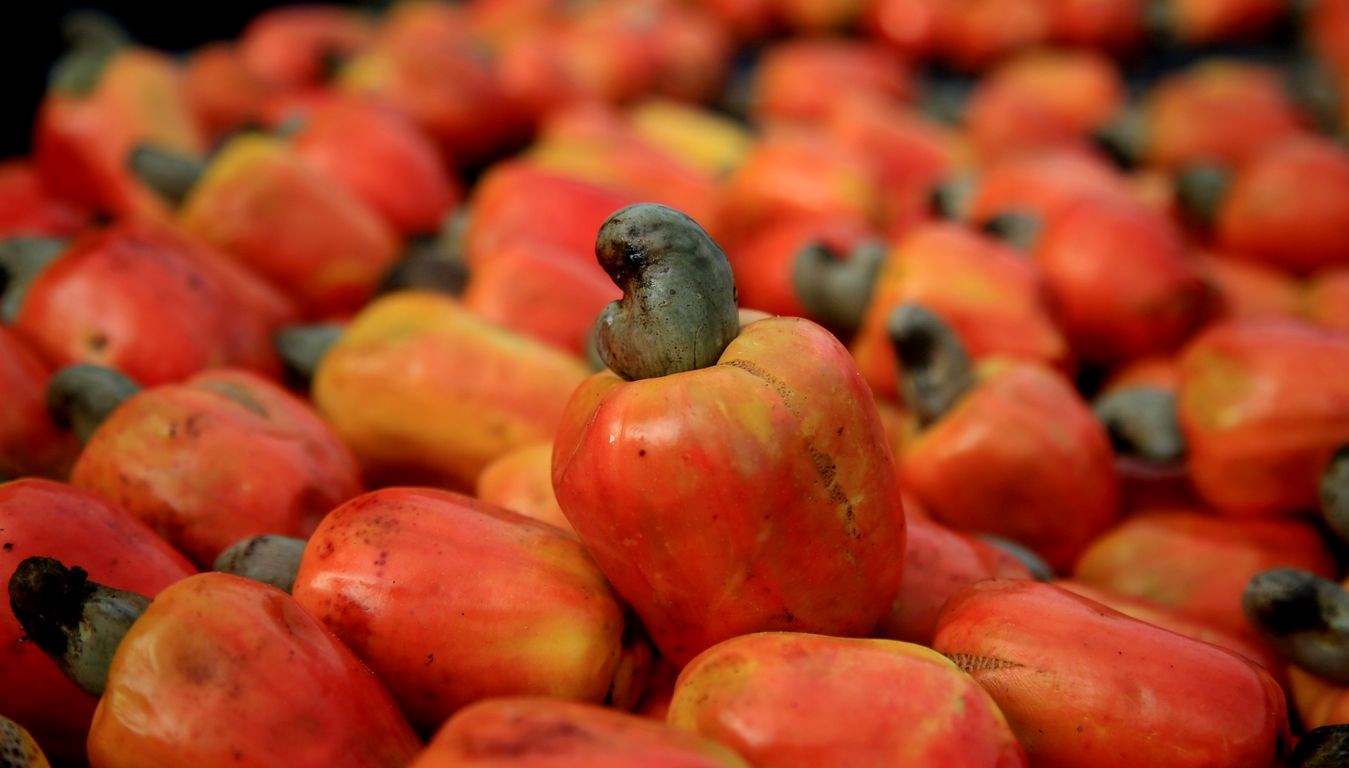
(1022, 456)
(763, 262)
(455, 96)
(292, 225)
(539, 290)
(222, 92)
(991, 295)
(790, 699)
(939, 562)
(1120, 280)
(1084, 685)
(1045, 184)
(28, 207)
(781, 89)
(522, 481)
(776, 506)
(382, 159)
(153, 303)
(1325, 299)
(1219, 111)
(911, 154)
(45, 518)
(518, 732)
(1197, 564)
(791, 175)
(1263, 405)
(1163, 616)
(225, 671)
(1288, 205)
(516, 201)
(451, 600)
(292, 48)
(220, 457)
(1042, 99)
(81, 141)
(423, 389)
(30, 443)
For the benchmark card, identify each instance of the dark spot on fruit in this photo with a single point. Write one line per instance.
(383, 559)
(197, 668)
(430, 658)
(531, 737)
(98, 342)
(971, 663)
(9, 546)
(641, 452)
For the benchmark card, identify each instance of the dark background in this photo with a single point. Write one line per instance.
(33, 42)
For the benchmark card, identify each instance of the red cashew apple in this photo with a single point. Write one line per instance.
(50, 519)
(789, 699)
(726, 479)
(451, 600)
(550, 733)
(216, 670)
(1082, 684)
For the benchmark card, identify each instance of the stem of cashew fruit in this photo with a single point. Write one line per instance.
(22, 259)
(270, 559)
(678, 310)
(82, 396)
(1141, 422)
(1159, 19)
(1304, 616)
(1200, 189)
(935, 369)
(836, 291)
(1334, 489)
(1037, 566)
(171, 174)
(951, 199)
(76, 622)
(301, 349)
(94, 38)
(433, 262)
(1016, 228)
(1324, 747)
(1122, 138)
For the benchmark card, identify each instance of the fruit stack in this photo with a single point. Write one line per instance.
(683, 383)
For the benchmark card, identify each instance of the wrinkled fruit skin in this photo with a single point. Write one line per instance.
(451, 600)
(755, 494)
(788, 699)
(221, 457)
(221, 670)
(1084, 685)
(45, 518)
